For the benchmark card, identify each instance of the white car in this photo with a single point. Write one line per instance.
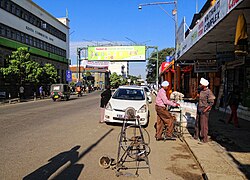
(123, 98)
(148, 92)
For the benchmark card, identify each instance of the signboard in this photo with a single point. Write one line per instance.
(181, 32)
(205, 67)
(210, 19)
(98, 64)
(117, 53)
(68, 75)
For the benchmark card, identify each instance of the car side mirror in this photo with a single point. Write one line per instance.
(149, 100)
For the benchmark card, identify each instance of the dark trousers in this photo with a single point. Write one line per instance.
(201, 126)
(163, 117)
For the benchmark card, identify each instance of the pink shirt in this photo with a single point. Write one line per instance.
(162, 100)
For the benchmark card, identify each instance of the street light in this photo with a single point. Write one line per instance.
(174, 12)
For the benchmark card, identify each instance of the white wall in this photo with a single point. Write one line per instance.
(25, 27)
(117, 67)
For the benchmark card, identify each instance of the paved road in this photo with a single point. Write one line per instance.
(63, 140)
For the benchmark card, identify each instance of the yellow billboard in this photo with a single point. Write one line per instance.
(117, 53)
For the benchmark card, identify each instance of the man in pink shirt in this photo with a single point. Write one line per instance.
(163, 115)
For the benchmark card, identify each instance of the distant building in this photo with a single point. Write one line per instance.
(120, 68)
(99, 75)
(25, 24)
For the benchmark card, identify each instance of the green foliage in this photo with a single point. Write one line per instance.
(152, 62)
(50, 75)
(133, 79)
(21, 69)
(117, 80)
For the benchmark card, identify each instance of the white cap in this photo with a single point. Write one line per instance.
(164, 83)
(204, 82)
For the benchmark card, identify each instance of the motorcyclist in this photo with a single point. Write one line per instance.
(79, 90)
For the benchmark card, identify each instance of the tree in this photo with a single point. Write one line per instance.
(22, 69)
(151, 65)
(133, 79)
(116, 80)
(49, 74)
(18, 66)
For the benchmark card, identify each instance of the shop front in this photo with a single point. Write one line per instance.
(218, 49)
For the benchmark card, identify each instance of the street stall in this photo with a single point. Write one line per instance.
(187, 115)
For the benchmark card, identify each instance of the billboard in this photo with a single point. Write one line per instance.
(117, 53)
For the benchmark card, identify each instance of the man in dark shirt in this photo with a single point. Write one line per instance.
(206, 101)
(105, 97)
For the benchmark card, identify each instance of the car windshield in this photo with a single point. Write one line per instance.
(129, 94)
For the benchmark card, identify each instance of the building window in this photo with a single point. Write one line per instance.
(31, 41)
(18, 38)
(2, 31)
(35, 45)
(13, 35)
(2, 3)
(7, 5)
(26, 39)
(26, 17)
(22, 38)
(8, 33)
(38, 44)
(18, 12)
(13, 8)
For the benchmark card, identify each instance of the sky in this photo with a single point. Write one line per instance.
(121, 22)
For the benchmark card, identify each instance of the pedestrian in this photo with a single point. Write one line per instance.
(163, 115)
(205, 103)
(41, 92)
(21, 91)
(233, 102)
(105, 97)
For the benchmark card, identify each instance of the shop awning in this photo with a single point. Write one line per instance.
(217, 42)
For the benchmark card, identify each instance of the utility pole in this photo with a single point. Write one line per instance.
(79, 60)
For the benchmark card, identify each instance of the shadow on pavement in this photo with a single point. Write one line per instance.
(234, 140)
(56, 162)
(68, 159)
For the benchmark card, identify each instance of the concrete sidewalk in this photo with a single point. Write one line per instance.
(227, 154)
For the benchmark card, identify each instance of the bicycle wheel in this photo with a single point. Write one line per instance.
(132, 134)
(138, 151)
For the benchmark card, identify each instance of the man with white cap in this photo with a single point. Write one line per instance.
(163, 116)
(206, 101)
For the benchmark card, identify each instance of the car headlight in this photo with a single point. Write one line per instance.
(143, 109)
(109, 107)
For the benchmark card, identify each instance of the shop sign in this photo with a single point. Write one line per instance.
(205, 67)
(181, 32)
(232, 4)
(210, 19)
(99, 64)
